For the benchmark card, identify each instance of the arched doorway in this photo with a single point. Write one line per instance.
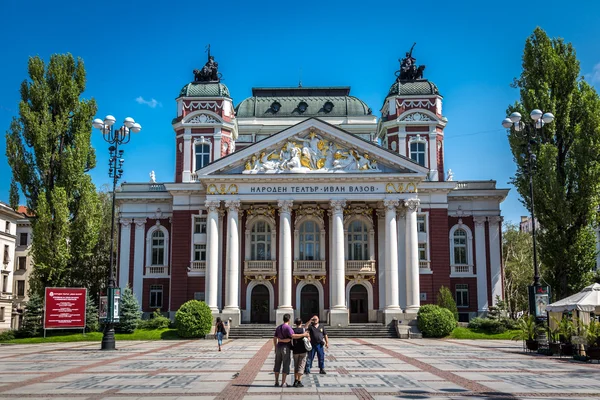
(309, 302)
(359, 300)
(259, 305)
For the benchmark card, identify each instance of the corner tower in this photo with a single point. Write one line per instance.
(412, 123)
(205, 126)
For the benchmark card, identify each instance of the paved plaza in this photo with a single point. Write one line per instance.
(356, 369)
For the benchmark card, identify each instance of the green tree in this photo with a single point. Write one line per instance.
(446, 300)
(567, 177)
(517, 255)
(49, 151)
(91, 314)
(13, 195)
(129, 312)
(32, 316)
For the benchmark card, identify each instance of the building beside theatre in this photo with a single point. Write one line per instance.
(299, 200)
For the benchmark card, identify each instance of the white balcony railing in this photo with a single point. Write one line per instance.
(461, 269)
(197, 267)
(156, 270)
(260, 267)
(423, 264)
(309, 267)
(365, 267)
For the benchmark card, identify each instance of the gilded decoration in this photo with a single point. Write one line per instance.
(310, 279)
(360, 210)
(410, 187)
(260, 278)
(222, 189)
(309, 211)
(265, 211)
(361, 278)
(310, 154)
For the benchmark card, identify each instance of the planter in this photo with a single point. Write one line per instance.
(567, 349)
(593, 352)
(532, 345)
(555, 348)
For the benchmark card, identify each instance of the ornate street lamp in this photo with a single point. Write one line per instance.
(114, 137)
(539, 295)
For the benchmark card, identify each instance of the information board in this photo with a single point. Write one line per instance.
(64, 308)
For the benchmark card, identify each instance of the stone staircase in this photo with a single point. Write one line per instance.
(246, 331)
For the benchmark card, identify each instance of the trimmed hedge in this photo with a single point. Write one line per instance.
(490, 325)
(434, 321)
(156, 321)
(193, 320)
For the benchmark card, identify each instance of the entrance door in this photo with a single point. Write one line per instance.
(259, 305)
(309, 302)
(359, 300)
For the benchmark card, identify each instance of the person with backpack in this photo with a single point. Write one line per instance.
(220, 332)
(300, 347)
(282, 340)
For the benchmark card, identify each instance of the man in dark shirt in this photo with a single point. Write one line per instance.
(299, 353)
(318, 339)
(281, 340)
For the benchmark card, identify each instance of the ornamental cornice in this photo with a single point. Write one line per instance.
(285, 206)
(203, 105)
(140, 223)
(309, 211)
(267, 212)
(202, 119)
(417, 117)
(359, 210)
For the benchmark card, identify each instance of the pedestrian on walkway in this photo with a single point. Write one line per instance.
(220, 332)
(299, 351)
(282, 342)
(318, 339)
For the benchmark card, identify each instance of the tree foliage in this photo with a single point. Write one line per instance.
(129, 312)
(446, 300)
(32, 316)
(517, 256)
(567, 177)
(434, 321)
(193, 319)
(49, 151)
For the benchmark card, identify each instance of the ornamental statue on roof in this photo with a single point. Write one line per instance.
(210, 71)
(408, 68)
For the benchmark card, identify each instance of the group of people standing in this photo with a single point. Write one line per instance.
(288, 341)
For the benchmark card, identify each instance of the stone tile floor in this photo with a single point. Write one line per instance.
(357, 369)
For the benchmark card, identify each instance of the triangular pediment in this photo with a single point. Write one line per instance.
(313, 147)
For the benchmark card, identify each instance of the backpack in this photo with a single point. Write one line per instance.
(307, 344)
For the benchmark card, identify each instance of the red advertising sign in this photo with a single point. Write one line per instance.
(64, 308)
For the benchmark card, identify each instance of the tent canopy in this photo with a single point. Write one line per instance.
(587, 300)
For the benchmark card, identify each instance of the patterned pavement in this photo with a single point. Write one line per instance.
(357, 369)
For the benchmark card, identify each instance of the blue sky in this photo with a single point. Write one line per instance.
(136, 51)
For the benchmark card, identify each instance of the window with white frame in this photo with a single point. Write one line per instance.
(21, 288)
(422, 251)
(260, 241)
(200, 225)
(309, 241)
(418, 152)
(422, 223)
(158, 248)
(459, 240)
(199, 252)
(358, 241)
(202, 151)
(462, 295)
(22, 263)
(156, 296)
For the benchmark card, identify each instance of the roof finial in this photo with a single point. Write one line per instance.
(300, 78)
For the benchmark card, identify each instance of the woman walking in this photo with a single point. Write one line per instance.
(220, 332)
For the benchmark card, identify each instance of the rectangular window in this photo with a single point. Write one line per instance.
(20, 288)
(199, 252)
(22, 264)
(7, 227)
(6, 257)
(422, 251)
(422, 223)
(462, 295)
(202, 155)
(200, 225)
(199, 296)
(417, 152)
(156, 296)
(460, 255)
(2, 314)
(4, 284)
(23, 239)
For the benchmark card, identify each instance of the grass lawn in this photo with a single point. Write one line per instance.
(466, 333)
(139, 334)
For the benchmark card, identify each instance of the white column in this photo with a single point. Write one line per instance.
(402, 142)
(433, 172)
(481, 265)
(391, 261)
(124, 252)
(413, 292)
(187, 155)
(401, 222)
(220, 261)
(339, 312)
(138, 259)
(495, 257)
(217, 144)
(212, 254)
(232, 277)
(381, 256)
(285, 258)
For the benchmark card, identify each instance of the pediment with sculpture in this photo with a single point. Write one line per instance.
(310, 154)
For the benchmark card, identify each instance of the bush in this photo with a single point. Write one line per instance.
(194, 319)
(434, 321)
(156, 321)
(446, 300)
(7, 335)
(487, 325)
(129, 312)
(91, 315)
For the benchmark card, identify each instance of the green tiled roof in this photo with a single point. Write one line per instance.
(420, 87)
(203, 89)
(262, 107)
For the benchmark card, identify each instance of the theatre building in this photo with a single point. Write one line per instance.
(299, 200)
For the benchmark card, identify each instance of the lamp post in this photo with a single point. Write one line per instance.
(538, 294)
(114, 137)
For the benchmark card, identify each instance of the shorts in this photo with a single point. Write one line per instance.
(299, 362)
(282, 356)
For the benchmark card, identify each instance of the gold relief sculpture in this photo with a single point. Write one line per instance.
(320, 163)
(410, 187)
(222, 189)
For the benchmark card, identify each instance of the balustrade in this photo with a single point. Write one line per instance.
(365, 267)
(260, 267)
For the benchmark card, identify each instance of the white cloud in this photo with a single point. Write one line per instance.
(150, 103)
(594, 76)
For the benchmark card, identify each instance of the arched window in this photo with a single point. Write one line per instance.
(460, 247)
(358, 241)
(260, 241)
(158, 248)
(309, 241)
(202, 154)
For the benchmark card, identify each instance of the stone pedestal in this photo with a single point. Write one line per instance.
(339, 317)
(281, 312)
(235, 316)
(390, 315)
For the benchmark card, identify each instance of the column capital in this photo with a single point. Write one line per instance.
(285, 206)
(495, 219)
(212, 205)
(391, 204)
(337, 206)
(479, 221)
(233, 205)
(125, 222)
(139, 223)
(380, 212)
(412, 204)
